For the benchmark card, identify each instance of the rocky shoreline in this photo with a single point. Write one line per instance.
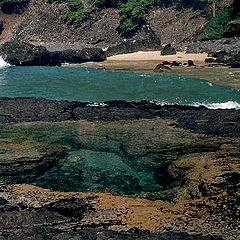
(194, 152)
(211, 122)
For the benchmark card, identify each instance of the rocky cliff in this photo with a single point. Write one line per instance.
(44, 24)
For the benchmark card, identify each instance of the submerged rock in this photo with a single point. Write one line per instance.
(23, 160)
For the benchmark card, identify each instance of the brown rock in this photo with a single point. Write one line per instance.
(162, 68)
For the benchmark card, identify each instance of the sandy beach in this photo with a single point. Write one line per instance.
(156, 56)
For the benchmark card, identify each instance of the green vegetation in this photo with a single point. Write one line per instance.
(132, 12)
(13, 6)
(217, 25)
(76, 13)
(132, 15)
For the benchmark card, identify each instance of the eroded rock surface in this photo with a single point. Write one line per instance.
(189, 156)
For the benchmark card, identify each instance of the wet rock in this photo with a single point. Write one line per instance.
(168, 50)
(217, 122)
(162, 68)
(24, 160)
(25, 54)
(166, 63)
(210, 60)
(191, 63)
(175, 64)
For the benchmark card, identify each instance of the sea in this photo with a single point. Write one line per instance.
(87, 84)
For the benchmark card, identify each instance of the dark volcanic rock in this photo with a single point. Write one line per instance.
(162, 68)
(145, 40)
(168, 50)
(217, 122)
(191, 63)
(175, 64)
(25, 54)
(85, 55)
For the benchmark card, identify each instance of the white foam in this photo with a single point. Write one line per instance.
(225, 105)
(3, 63)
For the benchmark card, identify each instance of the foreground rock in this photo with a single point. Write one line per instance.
(217, 122)
(26, 159)
(198, 174)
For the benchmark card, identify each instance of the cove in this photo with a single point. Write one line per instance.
(97, 85)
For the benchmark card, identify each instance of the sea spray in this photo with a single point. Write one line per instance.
(3, 63)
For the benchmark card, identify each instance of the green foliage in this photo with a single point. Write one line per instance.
(106, 3)
(217, 25)
(13, 6)
(76, 13)
(234, 22)
(132, 15)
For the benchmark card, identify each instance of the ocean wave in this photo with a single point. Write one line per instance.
(224, 105)
(3, 63)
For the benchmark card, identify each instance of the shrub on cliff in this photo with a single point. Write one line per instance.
(132, 15)
(76, 13)
(217, 25)
(13, 6)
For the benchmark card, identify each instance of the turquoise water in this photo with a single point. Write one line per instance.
(95, 85)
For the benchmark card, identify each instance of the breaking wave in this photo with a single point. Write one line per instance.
(3, 63)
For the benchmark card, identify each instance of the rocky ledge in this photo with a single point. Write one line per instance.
(192, 153)
(211, 122)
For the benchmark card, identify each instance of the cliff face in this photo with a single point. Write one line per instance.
(43, 24)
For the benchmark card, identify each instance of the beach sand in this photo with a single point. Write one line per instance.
(156, 56)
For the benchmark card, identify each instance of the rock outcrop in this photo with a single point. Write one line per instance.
(21, 160)
(168, 50)
(217, 122)
(80, 56)
(199, 173)
(25, 54)
(162, 68)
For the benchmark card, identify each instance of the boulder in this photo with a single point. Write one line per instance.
(210, 60)
(25, 54)
(168, 50)
(80, 56)
(175, 64)
(162, 68)
(191, 63)
(166, 63)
